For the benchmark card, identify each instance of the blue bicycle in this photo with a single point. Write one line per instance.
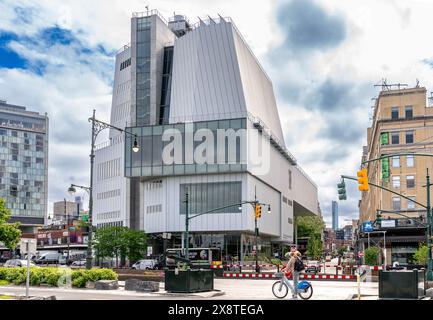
(280, 288)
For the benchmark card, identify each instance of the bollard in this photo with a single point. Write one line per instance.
(358, 281)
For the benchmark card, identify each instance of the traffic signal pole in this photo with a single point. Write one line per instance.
(428, 214)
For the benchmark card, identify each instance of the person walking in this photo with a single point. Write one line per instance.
(294, 256)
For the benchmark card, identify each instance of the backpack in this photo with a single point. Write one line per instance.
(299, 265)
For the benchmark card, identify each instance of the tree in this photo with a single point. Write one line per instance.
(308, 226)
(10, 234)
(371, 255)
(314, 247)
(115, 242)
(136, 244)
(421, 255)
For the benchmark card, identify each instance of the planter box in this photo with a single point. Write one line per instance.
(402, 284)
(189, 280)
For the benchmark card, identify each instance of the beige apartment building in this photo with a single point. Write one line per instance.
(402, 123)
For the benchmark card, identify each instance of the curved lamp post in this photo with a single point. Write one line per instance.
(97, 127)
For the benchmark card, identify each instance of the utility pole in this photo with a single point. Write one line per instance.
(186, 225)
(429, 230)
(256, 231)
(67, 228)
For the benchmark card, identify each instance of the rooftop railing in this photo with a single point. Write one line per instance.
(149, 13)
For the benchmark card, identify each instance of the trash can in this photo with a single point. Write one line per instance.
(402, 284)
(191, 280)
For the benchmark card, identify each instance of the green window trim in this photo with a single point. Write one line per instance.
(384, 138)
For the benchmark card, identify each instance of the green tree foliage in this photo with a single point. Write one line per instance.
(308, 226)
(314, 247)
(421, 255)
(10, 234)
(371, 256)
(113, 242)
(311, 227)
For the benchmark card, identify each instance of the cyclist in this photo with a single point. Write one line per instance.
(294, 255)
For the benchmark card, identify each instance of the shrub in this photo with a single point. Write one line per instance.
(52, 275)
(371, 256)
(4, 282)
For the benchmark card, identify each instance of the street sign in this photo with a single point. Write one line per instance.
(360, 254)
(31, 246)
(367, 226)
(387, 223)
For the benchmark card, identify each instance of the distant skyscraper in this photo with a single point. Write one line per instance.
(334, 215)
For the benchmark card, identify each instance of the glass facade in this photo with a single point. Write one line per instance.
(203, 197)
(164, 112)
(176, 141)
(22, 165)
(143, 71)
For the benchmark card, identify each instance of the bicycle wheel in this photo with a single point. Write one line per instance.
(306, 294)
(280, 289)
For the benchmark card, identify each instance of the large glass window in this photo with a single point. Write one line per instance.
(203, 197)
(177, 159)
(143, 71)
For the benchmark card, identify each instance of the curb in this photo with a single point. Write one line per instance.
(215, 293)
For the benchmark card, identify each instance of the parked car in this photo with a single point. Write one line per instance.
(51, 258)
(17, 263)
(78, 263)
(147, 264)
(312, 267)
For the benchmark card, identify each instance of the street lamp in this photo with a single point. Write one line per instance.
(97, 127)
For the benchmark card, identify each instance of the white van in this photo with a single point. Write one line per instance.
(147, 264)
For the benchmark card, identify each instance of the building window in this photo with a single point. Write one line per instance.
(410, 181)
(394, 113)
(408, 112)
(409, 136)
(14, 134)
(411, 204)
(395, 138)
(409, 161)
(204, 197)
(290, 179)
(396, 203)
(396, 182)
(396, 162)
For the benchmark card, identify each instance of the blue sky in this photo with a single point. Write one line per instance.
(323, 58)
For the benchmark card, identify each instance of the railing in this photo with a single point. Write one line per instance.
(149, 13)
(125, 47)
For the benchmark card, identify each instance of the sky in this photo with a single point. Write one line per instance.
(323, 56)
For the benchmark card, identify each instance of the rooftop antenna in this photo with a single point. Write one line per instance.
(386, 86)
(417, 83)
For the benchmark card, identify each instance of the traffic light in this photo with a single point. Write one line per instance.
(378, 216)
(363, 180)
(258, 211)
(342, 190)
